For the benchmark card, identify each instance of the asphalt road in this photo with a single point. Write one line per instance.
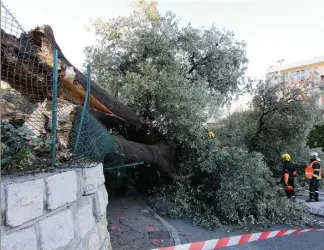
(313, 241)
(131, 228)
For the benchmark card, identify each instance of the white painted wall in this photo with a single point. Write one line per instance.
(64, 210)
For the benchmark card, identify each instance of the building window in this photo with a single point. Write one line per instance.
(304, 74)
(300, 75)
(291, 76)
(284, 77)
(296, 75)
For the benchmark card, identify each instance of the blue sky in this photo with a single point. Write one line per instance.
(273, 29)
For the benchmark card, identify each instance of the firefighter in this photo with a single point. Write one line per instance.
(289, 172)
(313, 172)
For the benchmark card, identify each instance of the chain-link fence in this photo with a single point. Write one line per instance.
(30, 140)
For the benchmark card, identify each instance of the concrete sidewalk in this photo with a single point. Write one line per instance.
(133, 226)
(316, 208)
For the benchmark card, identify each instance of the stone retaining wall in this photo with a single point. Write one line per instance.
(64, 210)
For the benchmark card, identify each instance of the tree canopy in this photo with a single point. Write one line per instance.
(175, 77)
(280, 120)
(209, 56)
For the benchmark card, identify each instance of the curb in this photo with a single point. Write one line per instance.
(229, 240)
(171, 229)
(236, 240)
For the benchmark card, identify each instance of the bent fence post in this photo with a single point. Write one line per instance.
(85, 106)
(54, 107)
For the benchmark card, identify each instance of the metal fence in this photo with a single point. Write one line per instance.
(42, 126)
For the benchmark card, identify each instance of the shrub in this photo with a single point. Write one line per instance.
(20, 151)
(237, 188)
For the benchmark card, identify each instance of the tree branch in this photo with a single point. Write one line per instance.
(194, 64)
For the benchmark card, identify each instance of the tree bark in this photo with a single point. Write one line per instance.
(159, 156)
(27, 66)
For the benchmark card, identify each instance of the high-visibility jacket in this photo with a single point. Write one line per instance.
(310, 172)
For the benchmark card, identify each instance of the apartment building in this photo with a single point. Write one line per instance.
(299, 72)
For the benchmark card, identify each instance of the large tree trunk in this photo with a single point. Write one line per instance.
(159, 156)
(26, 64)
(39, 121)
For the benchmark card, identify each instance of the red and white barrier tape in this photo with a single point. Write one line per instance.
(236, 240)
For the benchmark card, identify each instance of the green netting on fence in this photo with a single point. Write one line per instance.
(95, 143)
(26, 112)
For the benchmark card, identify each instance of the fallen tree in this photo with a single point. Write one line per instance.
(27, 67)
(153, 155)
(39, 123)
(175, 76)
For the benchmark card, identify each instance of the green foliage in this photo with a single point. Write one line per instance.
(279, 121)
(20, 151)
(236, 183)
(167, 101)
(174, 78)
(238, 129)
(316, 137)
(15, 147)
(203, 56)
(234, 186)
(19, 102)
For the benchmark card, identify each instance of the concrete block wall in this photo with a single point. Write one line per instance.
(64, 210)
